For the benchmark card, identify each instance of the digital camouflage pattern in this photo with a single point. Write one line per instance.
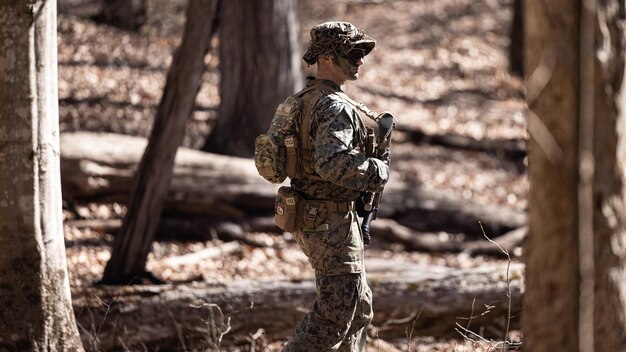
(336, 38)
(335, 168)
(342, 309)
(339, 137)
(336, 250)
(339, 317)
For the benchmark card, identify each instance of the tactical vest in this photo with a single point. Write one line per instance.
(287, 149)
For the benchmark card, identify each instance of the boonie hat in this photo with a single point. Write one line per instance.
(336, 37)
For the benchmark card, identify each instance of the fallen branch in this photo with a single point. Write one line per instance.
(204, 254)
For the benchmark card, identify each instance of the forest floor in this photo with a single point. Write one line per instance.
(441, 68)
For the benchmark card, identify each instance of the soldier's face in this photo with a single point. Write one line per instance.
(350, 63)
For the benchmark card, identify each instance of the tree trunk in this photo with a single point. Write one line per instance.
(259, 66)
(576, 245)
(516, 48)
(408, 299)
(35, 304)
(124, 14)
(151, 182)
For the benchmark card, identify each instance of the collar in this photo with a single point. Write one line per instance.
(310, 81)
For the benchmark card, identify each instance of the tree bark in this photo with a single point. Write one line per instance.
(132, 244)
(259, 66)
(422, 300)
(35, 304)
(551, 247)
(576, 245)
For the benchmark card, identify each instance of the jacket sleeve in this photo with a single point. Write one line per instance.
(337, 157)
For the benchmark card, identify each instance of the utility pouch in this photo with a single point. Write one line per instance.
(269, 158)
(275, 152)
(286, 209)
(314, 214)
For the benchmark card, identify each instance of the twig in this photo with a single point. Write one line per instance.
(106, 313)
(466, 332)
(508, 281)
(213, 329)
(410, 333)
(179, 331)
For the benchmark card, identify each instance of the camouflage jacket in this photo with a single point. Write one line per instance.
(338, 135)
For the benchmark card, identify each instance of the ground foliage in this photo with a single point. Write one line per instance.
(440, 67)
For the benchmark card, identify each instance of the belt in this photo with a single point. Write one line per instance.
(338, 207)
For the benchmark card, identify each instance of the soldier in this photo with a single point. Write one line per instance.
(336, 172)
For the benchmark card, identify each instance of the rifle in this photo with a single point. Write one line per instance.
(371, 200)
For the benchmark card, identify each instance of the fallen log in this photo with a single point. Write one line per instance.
(426, 301)
(430, 211)
(191, 228)
(514, 149)
(100, 166)
(388, 230)
(197, 228)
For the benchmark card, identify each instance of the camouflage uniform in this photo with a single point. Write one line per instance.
(343, 305)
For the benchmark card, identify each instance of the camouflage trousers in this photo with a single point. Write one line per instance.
(339, 317)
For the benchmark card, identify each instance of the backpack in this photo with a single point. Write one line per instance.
(284, 151)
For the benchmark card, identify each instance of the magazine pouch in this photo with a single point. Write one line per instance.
(286, 209)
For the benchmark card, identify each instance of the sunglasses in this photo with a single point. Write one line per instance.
(355, 55)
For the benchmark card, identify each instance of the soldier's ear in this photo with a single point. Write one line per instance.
(326, 58)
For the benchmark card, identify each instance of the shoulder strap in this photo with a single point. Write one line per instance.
(367, 111)
(321, 90)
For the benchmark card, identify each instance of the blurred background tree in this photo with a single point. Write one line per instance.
(516, 47)
(151, 181)
(125, 14)
(576, 250)
(260, 65)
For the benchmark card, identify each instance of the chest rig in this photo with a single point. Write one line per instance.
(288, 148)
(304, 168)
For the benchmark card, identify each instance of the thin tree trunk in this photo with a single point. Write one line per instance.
(551, 250)
(516, 48)
(35, 305)
(259, 66)
(125, 14)
(576, 247)
(151, 182)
